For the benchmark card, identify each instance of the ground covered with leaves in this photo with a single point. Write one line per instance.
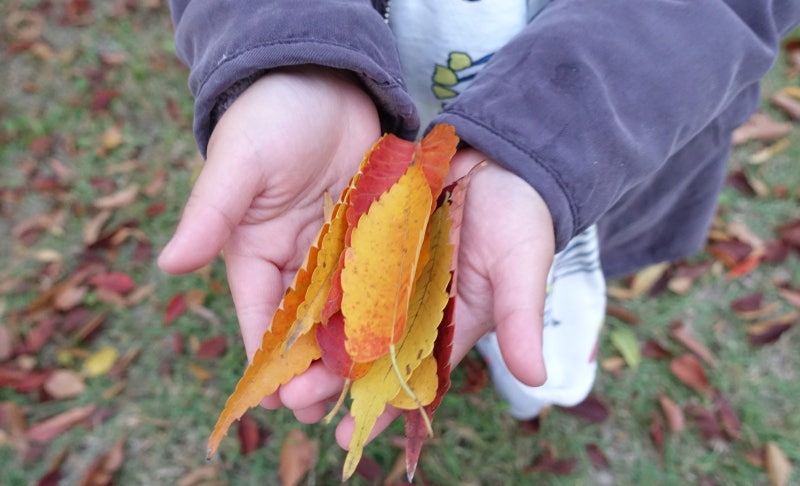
(112, 372)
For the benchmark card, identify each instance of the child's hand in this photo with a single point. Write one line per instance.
(289, 138)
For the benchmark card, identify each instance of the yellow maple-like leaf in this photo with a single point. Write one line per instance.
(423, 382)
(373, 391)
(380, 264)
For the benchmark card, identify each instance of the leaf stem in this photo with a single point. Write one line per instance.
(407, 389)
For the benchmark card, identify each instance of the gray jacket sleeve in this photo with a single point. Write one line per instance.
(595, 96)
(225, 41)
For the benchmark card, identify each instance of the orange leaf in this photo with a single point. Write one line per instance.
(298, 456)
(433, 154)
(688, 369)
(380, 265)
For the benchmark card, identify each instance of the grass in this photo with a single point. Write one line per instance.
(167, 407)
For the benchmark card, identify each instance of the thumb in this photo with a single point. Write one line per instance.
(218, 201)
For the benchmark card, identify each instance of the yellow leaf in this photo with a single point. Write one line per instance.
(100, 362)
(423, 382)
(380, 265)
(373, 391)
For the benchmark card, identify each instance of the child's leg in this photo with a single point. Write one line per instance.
(573, 316)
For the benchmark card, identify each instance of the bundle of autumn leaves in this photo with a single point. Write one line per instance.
(375, 296)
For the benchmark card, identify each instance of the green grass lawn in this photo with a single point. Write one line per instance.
(97, 158)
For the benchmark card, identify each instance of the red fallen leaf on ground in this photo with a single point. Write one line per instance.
(105, 466)
(156, 208)
(251, 435)
(748, 303)
(790, 295)
(684, 276)
(476, 375)
(730, 252)
(596, 456)
(705, 421)
(656, 431)
(622, 314)
(769, 331)
(681, 333)
(102, 98)
(53, 476)
(7, 343)
(739, 181)
(118, 282)
(592, 409)
(175, 307)
(690, 372)
(652, 349)
(747, 265)
(775, 252)
(48, 429)
(731, 424)
(21, 380)
(790, 234)
(673, 412)
(39, 335)
(370, 470)
(531, 426)
(549, 463)
(176, 343)
(212, 347)
(787, 104)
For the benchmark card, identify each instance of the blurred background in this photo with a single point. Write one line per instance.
(112, 372)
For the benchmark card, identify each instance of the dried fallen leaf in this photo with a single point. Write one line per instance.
(770, 330)
(597, 457)
(760, 126)
(251, 435)
(212, 347)
(681, 333)
(779, 469)
(547, 462)
(591, 408)
(102, 471)
(48, 429)
(116, 281)
(119, 199)
(786, 104)
(727, 417)
(64, 384)
(298, 456)
(673, 413)
(690, 372)
(176, 306)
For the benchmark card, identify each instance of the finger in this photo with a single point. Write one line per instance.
(257, 288)
(316, 385)
(215, 207)
(344, 431)
(519, 286)
(312, 414)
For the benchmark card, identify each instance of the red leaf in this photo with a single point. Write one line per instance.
(370, 470)
(775, 251)
(548, 463)
(690, 372)
(790, 234)
(747, 265)
(657, 431)
(769, 335)
(116, 282)
(748, 303)
(681, 333)
(476, 375)
(592, 409)
(654, 350)
(727, 416)
(39, 335)
(102, 98)
(251, 436)
(622, 314)
(730, 252)
(175, 307)
(596, 456)
(705, 420)
(330, 339)
(738, 180)
(672, 412)
(48, 429)
(102, 470)
(212, 347)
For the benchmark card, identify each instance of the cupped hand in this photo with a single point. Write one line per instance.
(290, 137)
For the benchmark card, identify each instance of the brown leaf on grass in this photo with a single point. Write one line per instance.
(622, 314)
(790, 295)
(251, 435)
(790, 234)
(751, 306)
(770, 330)
(762, 127)
(591, 408)
(39, 336)
(547, 462)
(119, 199)
(115, 281)
(597, 457)
(654, 350)
(103, 469)
(705, 421)
(730, 252)
(656, 430)
(298, 456)
(684, 276)
(739, 180)
(64, 384)
(683, 335)
(747, 265)
(48, 429)
(779, 469)
(476, 375)
(787, 104)
(727, 417)
(22, 380)
(688, 369)
(200, 476)
(673, 412)
(7, 342)
(212, 347)
(53, 476)
(764, 155)
(101, 98)
(175, 307)
(14, 425)
(93, 226)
